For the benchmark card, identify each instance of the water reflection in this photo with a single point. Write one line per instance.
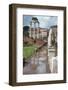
(38, 64)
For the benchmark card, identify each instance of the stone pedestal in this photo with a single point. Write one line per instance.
(51, 57)
(51, 52)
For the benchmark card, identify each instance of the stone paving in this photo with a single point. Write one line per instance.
(38, 64)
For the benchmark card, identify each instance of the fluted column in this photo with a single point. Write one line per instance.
(34, 31)
(37, 29)
(30, 32)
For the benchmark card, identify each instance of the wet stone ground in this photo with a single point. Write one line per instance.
(38, 63)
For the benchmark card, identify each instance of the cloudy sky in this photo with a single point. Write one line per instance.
(45, 21)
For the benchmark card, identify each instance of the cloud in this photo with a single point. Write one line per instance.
(45, 21)
(52, 21)
(43, 18)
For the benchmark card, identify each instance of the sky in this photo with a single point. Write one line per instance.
(45, 21)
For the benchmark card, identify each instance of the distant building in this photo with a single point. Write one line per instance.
(44, 33)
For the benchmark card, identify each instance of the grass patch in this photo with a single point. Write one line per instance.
(28, 51)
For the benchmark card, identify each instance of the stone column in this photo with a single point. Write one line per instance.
(49, 38)
(38, 31)
(30, 32)
(51, 51)
(34, 30)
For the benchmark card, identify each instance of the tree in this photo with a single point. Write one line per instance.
(26, 31)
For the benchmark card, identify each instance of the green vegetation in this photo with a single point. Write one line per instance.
(28, 51)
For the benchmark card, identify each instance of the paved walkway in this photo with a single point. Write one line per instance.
(38, 64)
